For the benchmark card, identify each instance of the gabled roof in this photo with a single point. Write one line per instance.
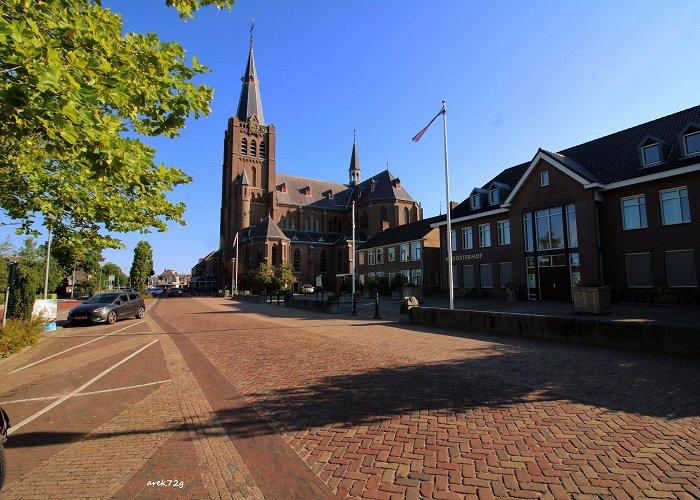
(319, 193)
(405, 232)
(384, 189)
(266, 229)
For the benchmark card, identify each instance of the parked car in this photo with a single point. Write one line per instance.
(155, 291)
(307, 289)
(175, 292)
(108, 308)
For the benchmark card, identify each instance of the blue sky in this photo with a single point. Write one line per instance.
(516, 76)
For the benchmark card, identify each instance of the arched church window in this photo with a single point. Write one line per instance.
(383, 216)
(406, 216)
(244, 146)
(317, 224)
(253, 148)
(297, 260)
(275, 251)
(255, 175)
(323, 261)
(262, 149)
(307, 224)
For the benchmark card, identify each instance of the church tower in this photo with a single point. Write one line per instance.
(248, 180)
(354, 170)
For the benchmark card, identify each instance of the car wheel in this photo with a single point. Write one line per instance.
(141, 313)
(112, 317)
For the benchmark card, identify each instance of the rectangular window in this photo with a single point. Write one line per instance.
(550, 229)
(571, 230)
(486, 275)
(504, 232)
(680, 269)
(468, 276)
(484, 235)
(652, 154)
(370, 257)
(505, 273)
(406, 274)
(475, 201)
(403, 254)
(391, 254)
(544, 179)
(380, 256)
(692, 143)
(575, 268)
(360, 258)
(415, 250)
(467, 238)
(674, 206)
(634, 212)
(416, 277)
(528, 233)
(453, 240)
(639, 270)
(493, 197)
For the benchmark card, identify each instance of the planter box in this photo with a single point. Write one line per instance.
(592, 300)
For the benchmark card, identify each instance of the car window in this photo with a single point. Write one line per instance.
(101, 298)
(123, 298)
(132, 296)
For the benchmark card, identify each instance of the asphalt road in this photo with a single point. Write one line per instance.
(208, 398)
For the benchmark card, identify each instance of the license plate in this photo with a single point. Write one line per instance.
(80, 317)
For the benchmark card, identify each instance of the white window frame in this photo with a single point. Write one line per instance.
(644, 154)
(370, 257)
(467, 238)
(476, 200)
(685, 143)
(544, 178)
(391, 254)
(493, 196)
(380, 256)
(484, 231)
(679, 192)
(415, 250)
(503, 232)
(641, 211)
(403, 252)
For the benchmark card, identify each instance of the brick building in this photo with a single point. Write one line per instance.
(282, 218)
(621, 211)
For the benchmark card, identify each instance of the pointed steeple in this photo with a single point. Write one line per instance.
(354, 170)
(250, 104)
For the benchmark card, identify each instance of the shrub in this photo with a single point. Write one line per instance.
(17, 334)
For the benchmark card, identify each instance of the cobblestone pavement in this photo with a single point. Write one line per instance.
(379, 411)
(262, 401)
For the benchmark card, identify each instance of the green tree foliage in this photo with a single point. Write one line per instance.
(7, 250)
(142, 265)
(111, 268)
(262, 278)
(29, 283)
(284, 276)
(76, 254)
(75, 96)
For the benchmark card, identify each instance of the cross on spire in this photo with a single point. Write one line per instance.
(252, 27)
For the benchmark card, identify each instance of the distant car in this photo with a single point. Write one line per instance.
(307, 288)
(155, 291)
(175, 292)
(108, 308)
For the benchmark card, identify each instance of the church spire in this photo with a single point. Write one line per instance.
(354, 170)
(250, 104)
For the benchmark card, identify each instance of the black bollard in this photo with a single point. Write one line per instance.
(376, 307)
(354, 305)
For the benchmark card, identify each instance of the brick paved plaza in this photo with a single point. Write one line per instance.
(262, 401)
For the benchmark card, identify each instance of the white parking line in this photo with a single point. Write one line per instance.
(71, 348)
(85, 393)
(78, 390)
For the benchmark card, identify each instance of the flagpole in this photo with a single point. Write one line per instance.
(234, 271)
(354, 269)
(450, 278)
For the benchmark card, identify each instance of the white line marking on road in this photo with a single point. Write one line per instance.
(71, 348)
(85, 393)
(78, 390)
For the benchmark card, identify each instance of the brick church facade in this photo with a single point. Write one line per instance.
(282, 218)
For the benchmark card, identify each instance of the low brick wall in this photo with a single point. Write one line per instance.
(323, 306)
(642, 336)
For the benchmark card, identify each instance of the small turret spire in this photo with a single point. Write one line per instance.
(354, 170)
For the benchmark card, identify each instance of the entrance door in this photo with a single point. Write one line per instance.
(554, 283)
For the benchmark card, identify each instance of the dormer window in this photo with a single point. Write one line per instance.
(493, 197)
(307, 191)
(691, 141)
(373, 185)
(329, 193)
(651, 154)
(283, 187)
(397, 183)
(475, 201)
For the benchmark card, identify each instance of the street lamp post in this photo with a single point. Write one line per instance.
(48, 255)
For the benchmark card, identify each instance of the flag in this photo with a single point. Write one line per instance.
(418, 136)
